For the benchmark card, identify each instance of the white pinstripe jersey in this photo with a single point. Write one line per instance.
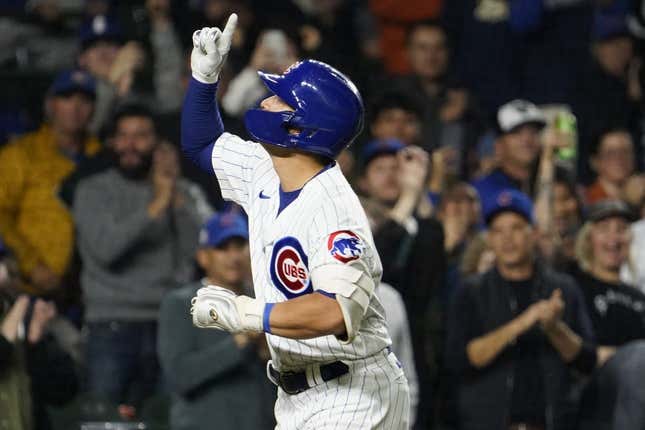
(325, 224)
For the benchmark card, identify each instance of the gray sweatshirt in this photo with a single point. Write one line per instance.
(130, 261)
(399, 329)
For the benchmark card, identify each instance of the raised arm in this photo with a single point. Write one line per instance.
(201, 123)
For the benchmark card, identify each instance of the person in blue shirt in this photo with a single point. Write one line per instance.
(517, 150)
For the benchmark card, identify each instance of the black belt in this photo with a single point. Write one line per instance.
(296, 382)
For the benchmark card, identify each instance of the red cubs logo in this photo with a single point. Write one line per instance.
(345, 246)
(289, 271)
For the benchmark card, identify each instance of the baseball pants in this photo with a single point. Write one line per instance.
(372, 395)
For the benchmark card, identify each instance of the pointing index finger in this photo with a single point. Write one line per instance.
(225, 41)
(229, 28)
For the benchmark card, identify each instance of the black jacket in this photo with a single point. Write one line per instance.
(484, 395)
(415, 265)
(52, 372)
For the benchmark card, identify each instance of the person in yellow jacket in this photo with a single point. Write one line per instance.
(34, 223)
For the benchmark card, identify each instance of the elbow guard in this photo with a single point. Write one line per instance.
(353, 288)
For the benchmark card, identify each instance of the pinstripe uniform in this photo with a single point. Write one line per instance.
(324, 225)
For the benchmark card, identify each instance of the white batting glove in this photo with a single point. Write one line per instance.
(210, 48)
(219, 308)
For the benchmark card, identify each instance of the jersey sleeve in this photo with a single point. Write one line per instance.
(237, 163)
(343, 247)
(339, 240)
(342, 267)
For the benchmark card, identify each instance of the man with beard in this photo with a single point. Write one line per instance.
(137, 226)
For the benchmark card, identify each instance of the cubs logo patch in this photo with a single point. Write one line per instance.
(345, 246)
(504, 198)
(289, 268)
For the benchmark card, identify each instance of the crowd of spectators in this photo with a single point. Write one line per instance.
(500, 166)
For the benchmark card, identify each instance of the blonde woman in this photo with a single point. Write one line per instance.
(617, 314)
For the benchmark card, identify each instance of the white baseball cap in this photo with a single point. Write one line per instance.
(519, 112)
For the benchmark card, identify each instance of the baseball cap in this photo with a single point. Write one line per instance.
(508, 201)
(607, 26)
(221, 227)
(517, 113)
(72, 81)
(376, 148)
(609, 208)
(99, 27)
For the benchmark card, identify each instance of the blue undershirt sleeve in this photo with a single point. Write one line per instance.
(201, 124)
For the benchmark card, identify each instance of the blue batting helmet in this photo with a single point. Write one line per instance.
(328, 110)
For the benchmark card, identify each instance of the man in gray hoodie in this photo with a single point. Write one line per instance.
(137, 225)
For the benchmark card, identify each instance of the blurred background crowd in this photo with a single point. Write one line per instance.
(515, 217)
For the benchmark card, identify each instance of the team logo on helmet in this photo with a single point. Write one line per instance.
(345, 246)
(504, 198)
(289, 271)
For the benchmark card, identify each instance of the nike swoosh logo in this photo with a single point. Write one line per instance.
(263, 196)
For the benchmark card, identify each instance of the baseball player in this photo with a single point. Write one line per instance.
(313, 259)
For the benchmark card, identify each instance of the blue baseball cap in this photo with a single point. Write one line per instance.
(608, 25)
(221, 227)
(380, 147)
(72, 81)
(97, 28)
(508, 201)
